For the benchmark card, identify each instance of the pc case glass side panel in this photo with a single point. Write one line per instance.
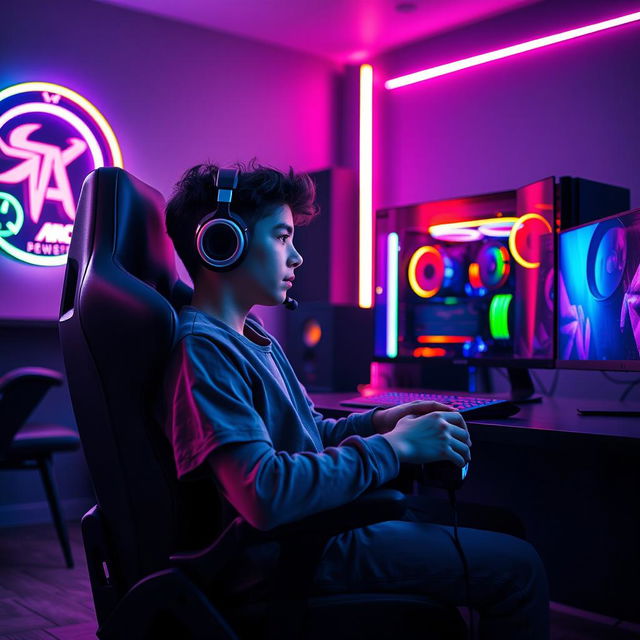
(532, 249)
(444, 305)
(599, 294)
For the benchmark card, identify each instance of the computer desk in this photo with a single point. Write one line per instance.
(574, 481)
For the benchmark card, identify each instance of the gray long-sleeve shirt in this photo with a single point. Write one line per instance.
(235, 398)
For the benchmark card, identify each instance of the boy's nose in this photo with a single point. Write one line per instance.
(295, 260)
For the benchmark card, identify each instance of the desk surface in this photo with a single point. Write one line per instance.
(552, 418)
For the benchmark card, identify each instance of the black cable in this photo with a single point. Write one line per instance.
(502, 373)
(630, 384)
(628, 390)
(617, 380)
(465, 566)
(554, 383)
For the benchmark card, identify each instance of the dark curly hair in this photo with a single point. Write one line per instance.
(260, 190)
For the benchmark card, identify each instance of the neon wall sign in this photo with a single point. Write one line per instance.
(50, 139)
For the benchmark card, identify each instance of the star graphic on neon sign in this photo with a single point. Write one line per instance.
(41, 164)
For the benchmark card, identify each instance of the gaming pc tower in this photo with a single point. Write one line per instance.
(472, 280)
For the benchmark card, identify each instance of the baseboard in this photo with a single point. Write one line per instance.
(594, 617)
(18, 514)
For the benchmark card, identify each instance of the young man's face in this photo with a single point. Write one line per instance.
(264, 277)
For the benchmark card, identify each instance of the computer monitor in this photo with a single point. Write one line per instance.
(470, 280)
(599, 295)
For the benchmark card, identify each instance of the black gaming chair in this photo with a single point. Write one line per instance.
(155, 554)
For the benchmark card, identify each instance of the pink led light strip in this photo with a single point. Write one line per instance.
(452, 67)
(365, 235)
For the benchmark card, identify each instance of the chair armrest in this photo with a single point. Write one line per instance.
(379, 505)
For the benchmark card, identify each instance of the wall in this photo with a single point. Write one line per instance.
(568, 109)
(175, 95)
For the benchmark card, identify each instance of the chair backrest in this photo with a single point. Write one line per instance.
(117, 325)
(21, 391)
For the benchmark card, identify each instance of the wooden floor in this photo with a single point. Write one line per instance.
(40, 599)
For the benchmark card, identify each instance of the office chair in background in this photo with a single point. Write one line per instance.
(154, 551)
(31, 446)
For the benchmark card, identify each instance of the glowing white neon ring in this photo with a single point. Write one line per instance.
(468, 230)
(498, 229)
(81, 102)
(63, 114)
(457, 234)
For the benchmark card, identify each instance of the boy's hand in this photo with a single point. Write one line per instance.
(385, 420)
(439, 435)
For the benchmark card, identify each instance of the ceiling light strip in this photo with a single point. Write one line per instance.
(452, 67)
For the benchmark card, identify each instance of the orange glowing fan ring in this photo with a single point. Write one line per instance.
(474, 275)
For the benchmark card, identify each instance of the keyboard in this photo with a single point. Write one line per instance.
(470, 406)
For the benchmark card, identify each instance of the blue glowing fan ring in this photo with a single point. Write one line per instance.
(600, 236)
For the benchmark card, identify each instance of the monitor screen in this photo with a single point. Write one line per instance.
(599, 294)
(468, 279)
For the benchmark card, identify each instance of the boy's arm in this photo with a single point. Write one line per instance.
(334, 431)
(211, 417)
(270, 488)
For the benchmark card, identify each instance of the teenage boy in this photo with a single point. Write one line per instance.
(236, 410)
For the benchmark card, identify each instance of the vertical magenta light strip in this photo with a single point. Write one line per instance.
(365, 205)
(392, 295)
(465, 63)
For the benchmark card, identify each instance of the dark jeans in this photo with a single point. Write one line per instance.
(507, 581)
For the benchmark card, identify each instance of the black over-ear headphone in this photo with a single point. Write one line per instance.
(222, 237)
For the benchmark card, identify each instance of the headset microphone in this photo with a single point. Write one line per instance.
(290, 303)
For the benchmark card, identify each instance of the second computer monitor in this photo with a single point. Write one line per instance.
(468, 279)
(599, 295)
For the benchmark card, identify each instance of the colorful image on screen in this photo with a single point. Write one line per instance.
(471, 278)
(599, 291)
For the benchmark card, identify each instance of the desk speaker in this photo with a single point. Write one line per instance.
(330, 346)
(329, 245)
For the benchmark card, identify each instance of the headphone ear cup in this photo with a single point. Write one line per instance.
(221, 243)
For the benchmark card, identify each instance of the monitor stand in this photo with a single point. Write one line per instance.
(522, 389)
